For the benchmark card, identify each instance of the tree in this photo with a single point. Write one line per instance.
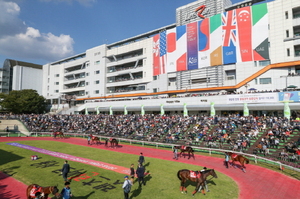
(24, 101)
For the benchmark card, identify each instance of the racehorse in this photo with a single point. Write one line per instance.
(240, 158)
(185, 149)
(194, 176)
(95, 140)
(45, 191)
(113, 142)
(58, 133)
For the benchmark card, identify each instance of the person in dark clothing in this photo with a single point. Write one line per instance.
(65, 170)
(140, 172)
(132, 173)
(141, 159)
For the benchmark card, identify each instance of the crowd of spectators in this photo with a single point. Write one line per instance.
(233, 131)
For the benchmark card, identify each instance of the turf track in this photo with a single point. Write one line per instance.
(258, 182)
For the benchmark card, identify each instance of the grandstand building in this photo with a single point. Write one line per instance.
(218, 58)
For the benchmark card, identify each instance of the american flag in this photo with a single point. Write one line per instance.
(163, 51)
(229, 28)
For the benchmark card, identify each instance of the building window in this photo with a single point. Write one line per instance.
(56, 83)
(286, 14)
(97, 62)
(288, 52)
(265, 81)
(56, 91)
(97, 82)
(48, 80)
(56, 75)
(87, 74)
(96, 91)
(86, 93)
(86, 83)
(97, 72)
(154, 77)
(255, 80)
(155, 90)
(287, 34)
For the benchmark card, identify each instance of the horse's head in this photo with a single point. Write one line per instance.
(213, 173)
(55, 190)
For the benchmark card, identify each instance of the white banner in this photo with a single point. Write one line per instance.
(252, 98)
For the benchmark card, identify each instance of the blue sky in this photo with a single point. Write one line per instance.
(42, 31)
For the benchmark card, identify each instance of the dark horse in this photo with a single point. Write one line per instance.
(95, 140)
(45, 191)
(185, 149)
(239, 158)
(194, 176)
(58, 134)
(113, 142)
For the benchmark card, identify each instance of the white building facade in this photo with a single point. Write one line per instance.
(190, 66)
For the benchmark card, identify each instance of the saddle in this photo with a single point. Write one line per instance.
(183, 147)
(195, 174)
(234, 155)
(34, 190)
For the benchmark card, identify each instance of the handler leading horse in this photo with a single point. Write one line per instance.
(185, 149)
(45, 191)
(239, 158)
(194, 176)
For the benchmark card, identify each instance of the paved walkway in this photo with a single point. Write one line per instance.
(257, 183)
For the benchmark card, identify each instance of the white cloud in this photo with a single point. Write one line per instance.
(19, 40)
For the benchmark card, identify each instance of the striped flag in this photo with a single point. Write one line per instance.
(163, 51)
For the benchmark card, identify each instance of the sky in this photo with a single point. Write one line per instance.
(43, 31)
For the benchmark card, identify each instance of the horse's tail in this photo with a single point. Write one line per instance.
(178, 174)
(247, 160)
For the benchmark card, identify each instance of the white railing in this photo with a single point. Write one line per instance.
(158, 144)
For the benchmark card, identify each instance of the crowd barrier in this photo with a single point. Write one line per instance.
(252, 157)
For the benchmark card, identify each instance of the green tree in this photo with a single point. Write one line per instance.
(24, 101)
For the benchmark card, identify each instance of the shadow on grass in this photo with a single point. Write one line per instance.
(10, 171)
(84, 197)
(7, 157)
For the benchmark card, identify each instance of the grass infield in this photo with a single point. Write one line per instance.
(95, 183)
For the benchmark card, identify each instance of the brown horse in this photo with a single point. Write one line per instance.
(185, 149)
(45, 191)
(113, 142)
(194, 176)
(58, 134)
(239, 158)
(95, 140)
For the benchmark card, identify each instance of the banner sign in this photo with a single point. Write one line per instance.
(252, 98)
(293, 96)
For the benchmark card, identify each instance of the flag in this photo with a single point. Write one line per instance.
(86, 111)
(185, 111)
(215, 26)
(244, 34)
(155, 52)
(163, 51)
(181, 43)
(97, 110)
(212, 109)
(246, 110)
(203, 43)
(110, 110)
(125, 110)
(192, 46)
(260, 32)
(162, 111)
(229, 37)
(142, 110)
(171, 50)
(287, 111)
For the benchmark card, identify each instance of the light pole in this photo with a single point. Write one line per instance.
(286, 78)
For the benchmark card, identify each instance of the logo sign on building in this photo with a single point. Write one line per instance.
(252, 98)
(293, 96)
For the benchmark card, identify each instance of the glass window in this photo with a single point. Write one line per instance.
(97, 72)
(265, 81)
(96, 91)
(97, 82)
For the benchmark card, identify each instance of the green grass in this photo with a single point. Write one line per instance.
(161, 183)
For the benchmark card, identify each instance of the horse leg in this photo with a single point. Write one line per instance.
(182, 188)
